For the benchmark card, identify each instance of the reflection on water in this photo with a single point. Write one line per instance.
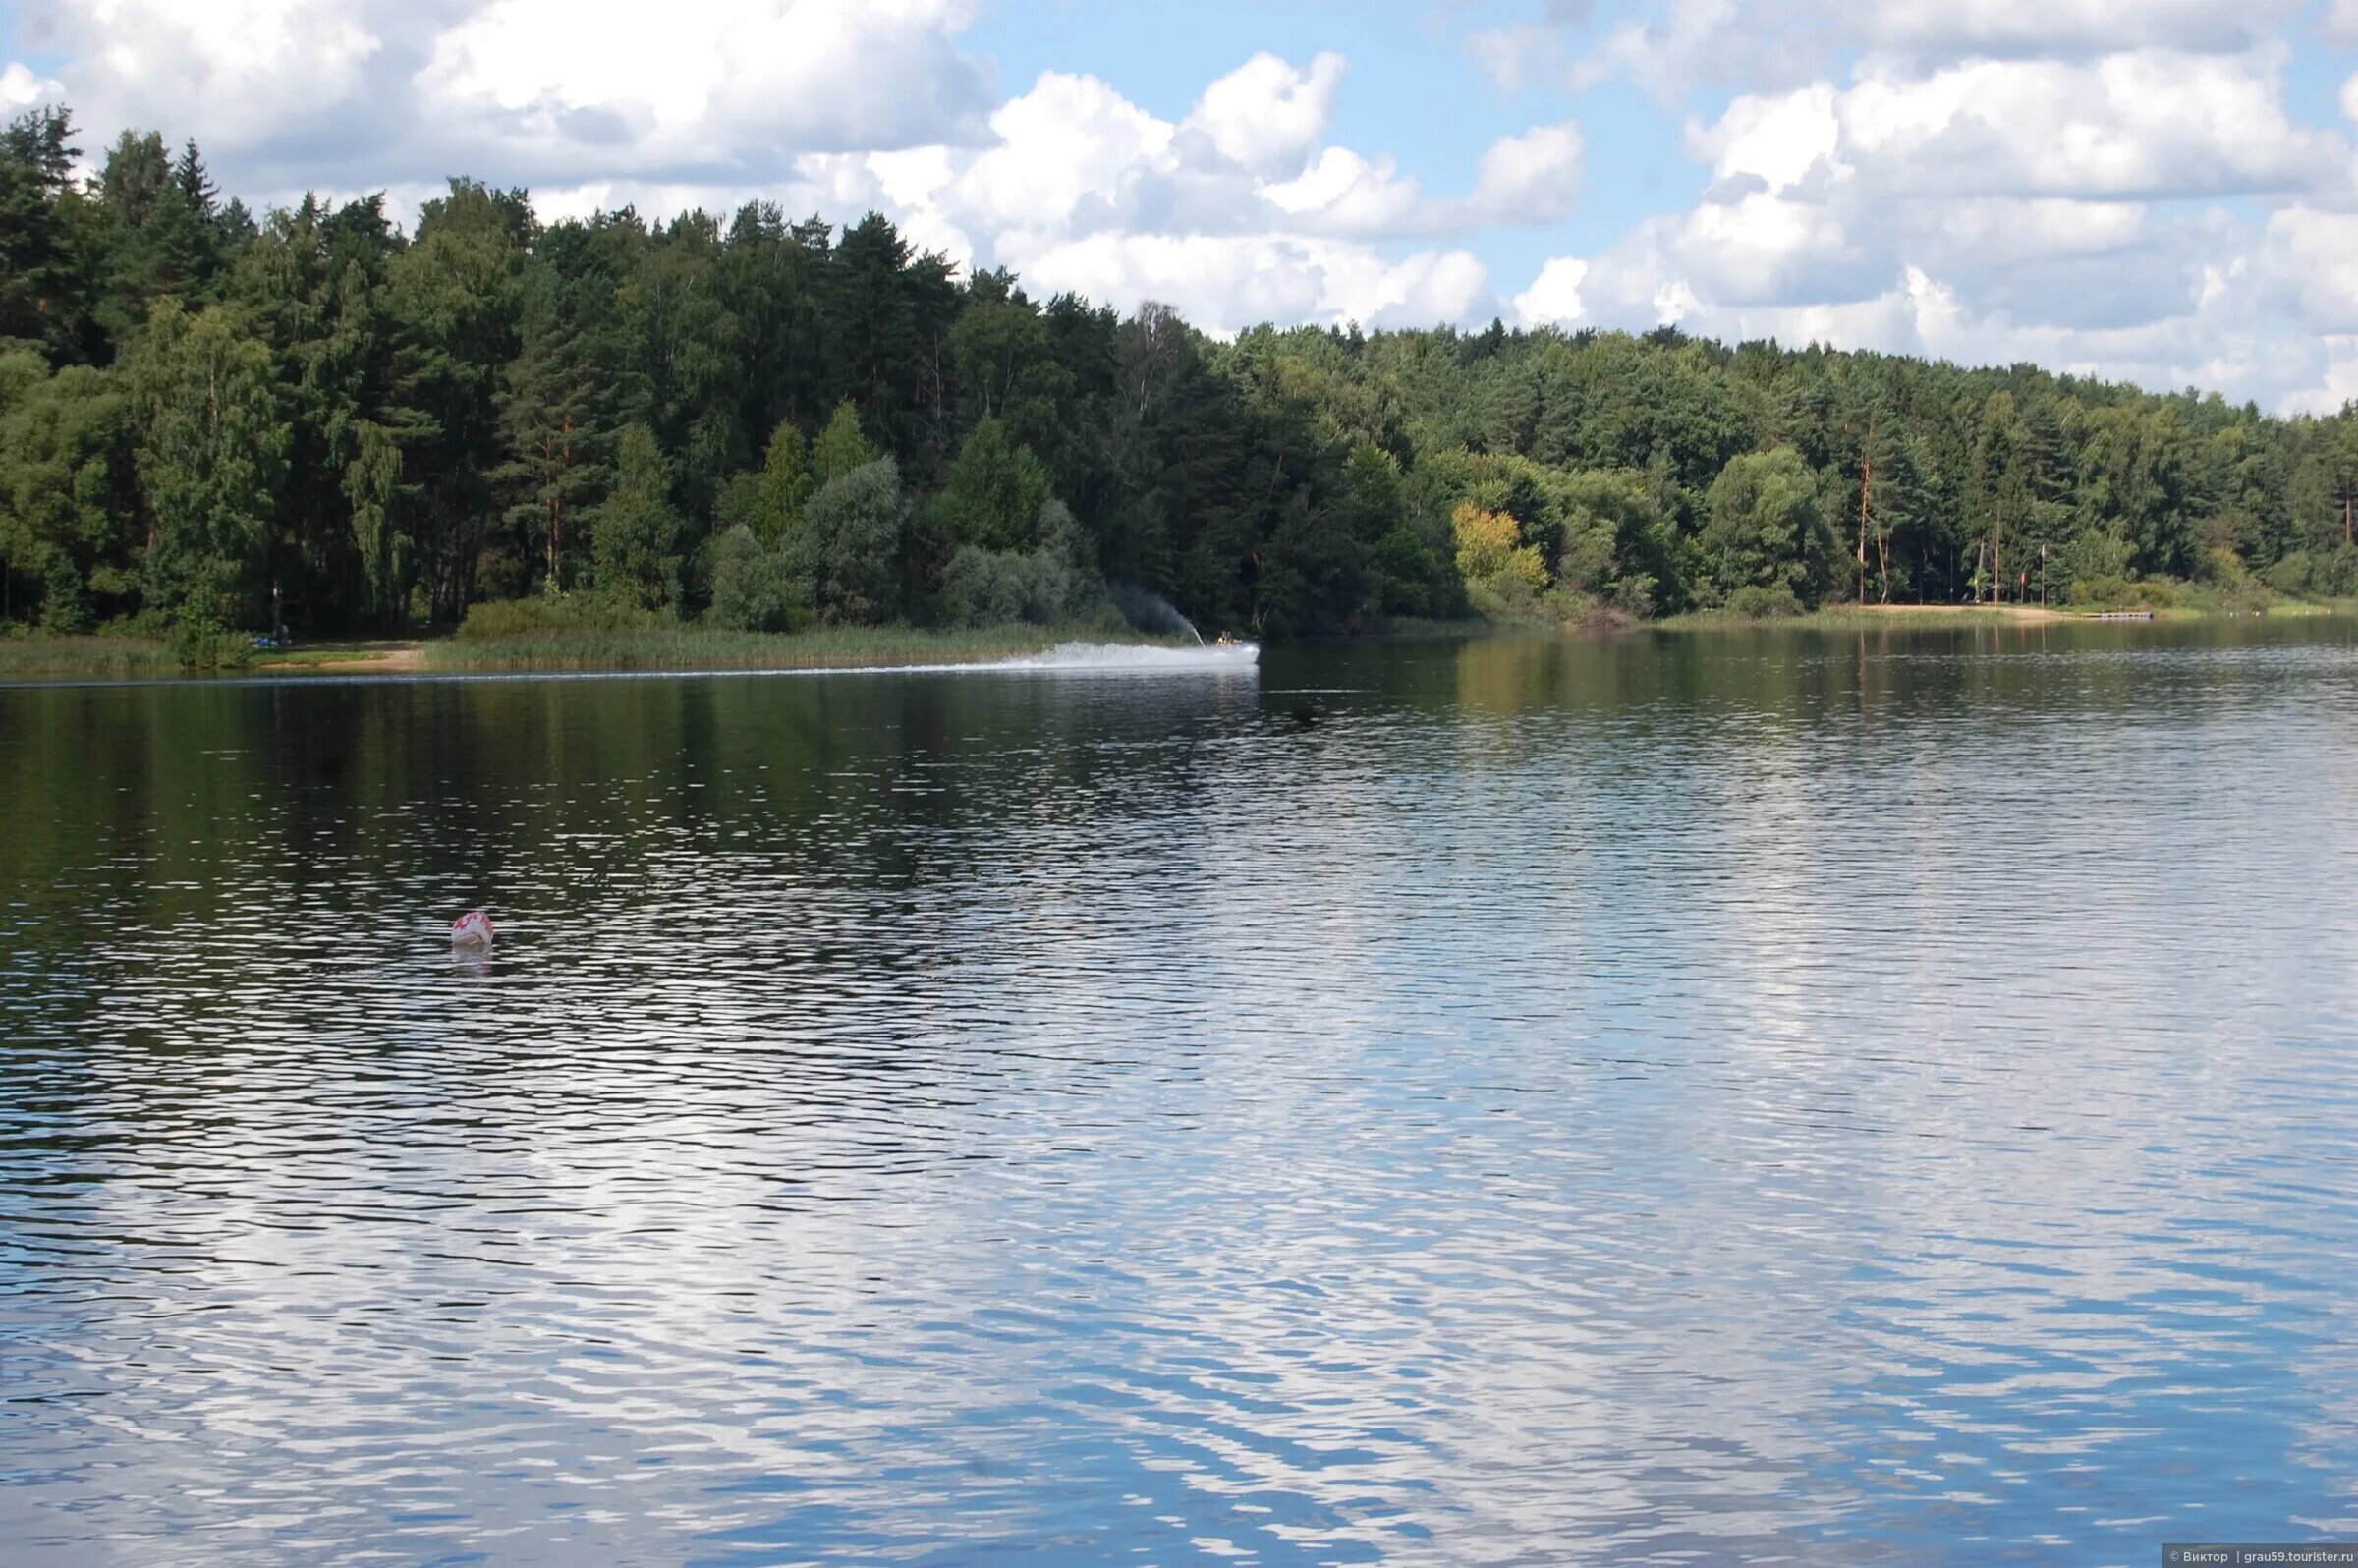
(1780, 1098)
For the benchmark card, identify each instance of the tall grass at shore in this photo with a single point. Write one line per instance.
(1846, 618)
(102, 657)
(689, 648)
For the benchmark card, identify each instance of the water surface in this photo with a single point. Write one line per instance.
(1780, 1098)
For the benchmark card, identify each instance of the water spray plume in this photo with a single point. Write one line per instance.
(1151, 612)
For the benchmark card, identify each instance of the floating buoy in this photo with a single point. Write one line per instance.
(471, 930)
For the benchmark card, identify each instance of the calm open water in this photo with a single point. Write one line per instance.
(1782, 1098)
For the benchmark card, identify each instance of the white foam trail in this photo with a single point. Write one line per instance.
(1066, 659)
(1126, 656)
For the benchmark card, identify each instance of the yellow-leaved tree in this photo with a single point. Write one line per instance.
(1490, 547)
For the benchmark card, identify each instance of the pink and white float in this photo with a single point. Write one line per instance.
(471, 930)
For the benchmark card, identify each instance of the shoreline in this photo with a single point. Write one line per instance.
(1859, 617)
(2021, 614)
(689, 649)
(1863, 617)
(669, 649)
(397, 659)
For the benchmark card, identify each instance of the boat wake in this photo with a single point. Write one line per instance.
(1071, 659)
(1066, 659)
(1121, 657)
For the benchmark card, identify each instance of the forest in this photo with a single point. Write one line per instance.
(216, 417)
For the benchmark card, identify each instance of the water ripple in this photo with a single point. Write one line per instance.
(1777, 1098)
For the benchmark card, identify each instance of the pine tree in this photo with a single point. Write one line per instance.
(452, 302)
(44, 289)
(572, 388)
(159, 241)
(312, 285)
(195, 185)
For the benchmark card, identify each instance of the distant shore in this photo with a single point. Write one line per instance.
(683, 649)
(1854, 617)
(689, 649)
(1847, 616)
(1843, 617)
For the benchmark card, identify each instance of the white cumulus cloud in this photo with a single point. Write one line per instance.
(1684, 45)
(1554, 298)
(1999, 181)
(2339, 24)
(1347, 192)
(1225, 282)
(1267, 114)
(242, 69)
(1532, 176)
(1069, 141)
(21, 88)
(2127, 189)
(2310, 260)
(574, 83)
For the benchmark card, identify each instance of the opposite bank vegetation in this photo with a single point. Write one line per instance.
(611, 431)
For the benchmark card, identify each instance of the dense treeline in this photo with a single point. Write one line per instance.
(763, 424)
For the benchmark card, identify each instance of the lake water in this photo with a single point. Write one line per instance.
(1788, 1098)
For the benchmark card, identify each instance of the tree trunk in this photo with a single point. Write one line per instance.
(1866, 478)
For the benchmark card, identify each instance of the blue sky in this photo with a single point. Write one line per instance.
(1413, 90)
(2162, 192)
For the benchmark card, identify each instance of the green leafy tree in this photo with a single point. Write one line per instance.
(67, 494)
(751, 588)
(453, 400)
(841, 447)
(784, 485)
(845, 552)
(1399, 566)
(995, 491)
(380, 500)
(1045, 584)
(1404, 566)
(211, 454)
(635, 533)
(1616, 541)
(1767, 528)
(1377, 499)
(767, 502)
